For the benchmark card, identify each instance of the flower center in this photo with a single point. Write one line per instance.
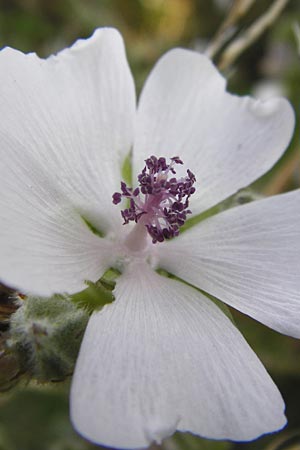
(161, 201)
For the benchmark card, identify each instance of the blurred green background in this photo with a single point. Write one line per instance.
(35, 416)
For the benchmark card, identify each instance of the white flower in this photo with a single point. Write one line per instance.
(162, 356)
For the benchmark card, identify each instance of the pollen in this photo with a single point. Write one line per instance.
(161, 201)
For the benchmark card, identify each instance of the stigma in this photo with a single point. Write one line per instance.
(161, 201)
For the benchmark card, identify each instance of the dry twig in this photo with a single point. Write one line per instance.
(237, 11)
(234, 50)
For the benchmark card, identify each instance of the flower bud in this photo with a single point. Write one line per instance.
(46, 334)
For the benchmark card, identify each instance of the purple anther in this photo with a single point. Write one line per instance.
(160, 202)
(117, 197)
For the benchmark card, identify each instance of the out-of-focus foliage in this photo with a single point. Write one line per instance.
(35, 417)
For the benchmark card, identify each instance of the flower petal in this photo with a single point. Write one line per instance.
(248, 257)
(163, 357)
(73, 115)
(46, 247)
(227, 141)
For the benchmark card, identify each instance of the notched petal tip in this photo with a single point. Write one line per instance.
(271, 106)
(261, 108)
(284, 117)
(111, 36)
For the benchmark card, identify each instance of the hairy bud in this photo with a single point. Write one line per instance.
(46, 334)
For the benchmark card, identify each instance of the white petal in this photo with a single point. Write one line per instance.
(227, 141)
(73, 115)
(46, 247)
(249, 257)
(163, 357)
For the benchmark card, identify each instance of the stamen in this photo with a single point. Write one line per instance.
(159, 203)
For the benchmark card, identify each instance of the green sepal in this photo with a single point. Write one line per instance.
(98, 294)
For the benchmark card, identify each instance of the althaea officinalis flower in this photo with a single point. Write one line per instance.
(162, 357)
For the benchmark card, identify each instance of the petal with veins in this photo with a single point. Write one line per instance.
(46, 247)
(248, 257)
(73, 116)
(163, 357)
(226, 140)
